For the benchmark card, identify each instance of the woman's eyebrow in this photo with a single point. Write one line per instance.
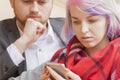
(74, 17)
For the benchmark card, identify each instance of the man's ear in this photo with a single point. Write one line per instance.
(12, 3)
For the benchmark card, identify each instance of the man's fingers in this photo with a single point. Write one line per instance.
(40, 30)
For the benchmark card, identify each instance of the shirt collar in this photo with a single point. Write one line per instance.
(20, 31)
(49, 34)
(50, 31)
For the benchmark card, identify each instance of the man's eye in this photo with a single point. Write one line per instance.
(42, 2)
(27, 1)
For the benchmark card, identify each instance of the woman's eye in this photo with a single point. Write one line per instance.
(92, 21)
(76, 22)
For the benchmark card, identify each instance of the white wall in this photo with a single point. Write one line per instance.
(6, 10)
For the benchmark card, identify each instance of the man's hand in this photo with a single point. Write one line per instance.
(32, 31)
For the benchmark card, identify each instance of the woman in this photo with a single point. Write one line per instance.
(93, 28)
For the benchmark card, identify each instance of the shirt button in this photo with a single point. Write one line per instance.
(39, 49)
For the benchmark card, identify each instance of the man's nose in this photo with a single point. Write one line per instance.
(35, 7)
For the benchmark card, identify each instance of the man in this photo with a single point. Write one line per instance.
(29, 39)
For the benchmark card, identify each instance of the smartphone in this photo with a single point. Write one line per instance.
(59, 68)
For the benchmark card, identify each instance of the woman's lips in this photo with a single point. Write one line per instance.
(86, 38)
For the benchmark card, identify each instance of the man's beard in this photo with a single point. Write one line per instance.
(20, 22)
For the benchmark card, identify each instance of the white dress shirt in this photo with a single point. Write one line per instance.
(38, 52)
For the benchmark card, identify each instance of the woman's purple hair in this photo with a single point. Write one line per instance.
(107, 8)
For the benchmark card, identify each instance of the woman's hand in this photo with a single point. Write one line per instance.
(54, 74)
(45, 75)
(70, 74)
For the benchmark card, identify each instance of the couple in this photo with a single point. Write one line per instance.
(92, 30)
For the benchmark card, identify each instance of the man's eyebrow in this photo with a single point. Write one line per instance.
(43, 0)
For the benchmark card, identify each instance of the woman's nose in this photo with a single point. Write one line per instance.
(84, 28)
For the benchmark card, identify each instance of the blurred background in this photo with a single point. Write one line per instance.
(58, 9)
(6, 10)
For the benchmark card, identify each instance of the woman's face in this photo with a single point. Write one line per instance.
(90, 30)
